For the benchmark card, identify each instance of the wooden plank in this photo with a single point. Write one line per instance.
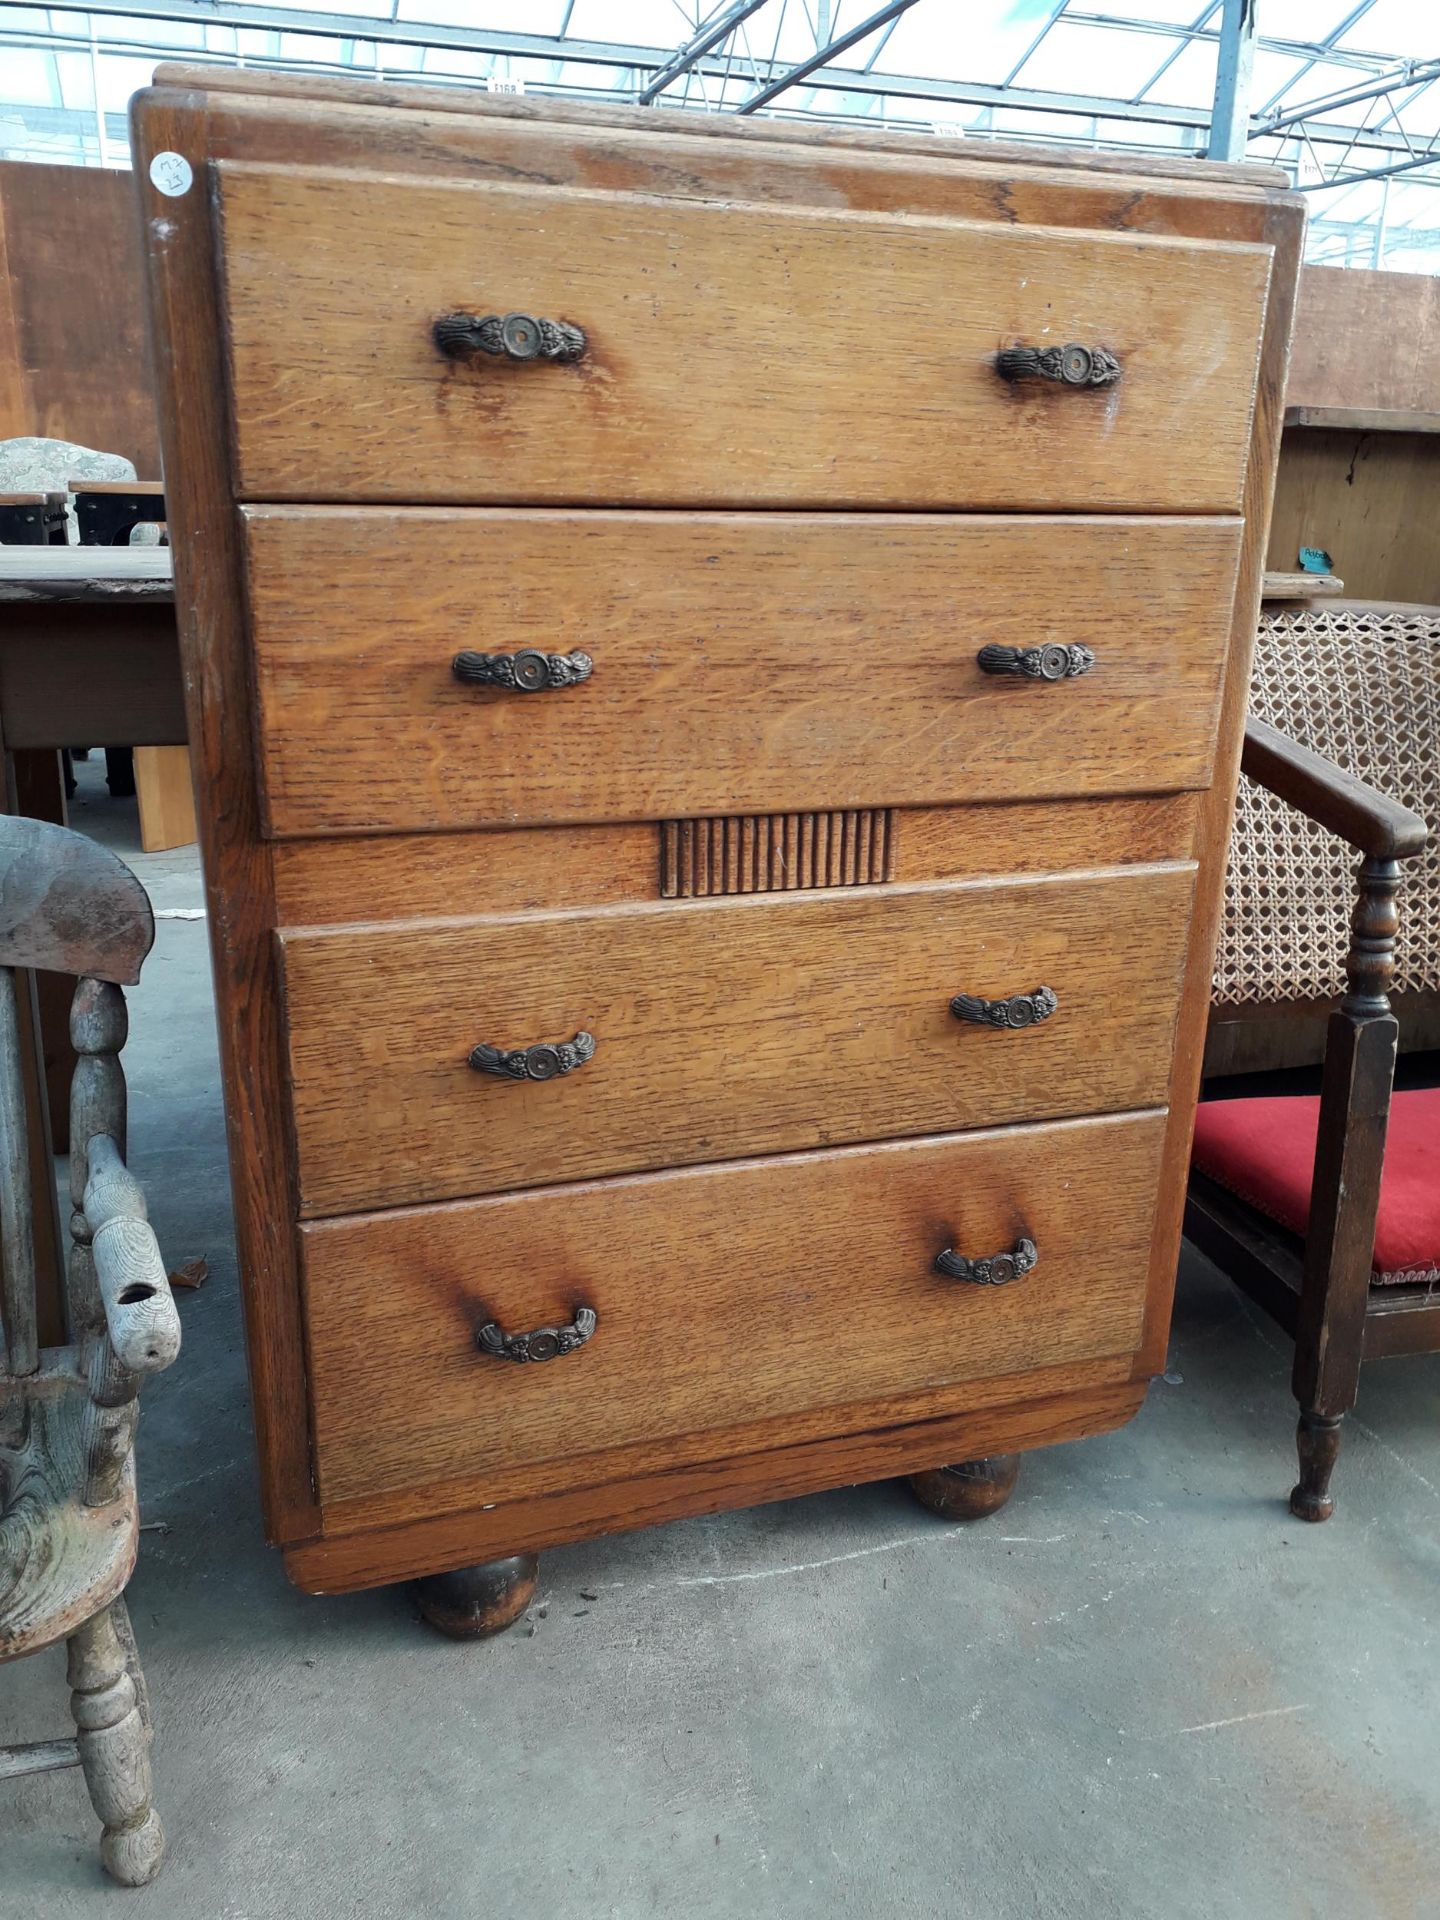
(1366, 340)
(69, 573)
(74, 366)
(1365, 419)
(846, 425)
(741, 662)
(151, 489)
(1364, 498)
(699, 1055)
(707, 1263)
(91, 673)
(574, 116)
(166, 798)
(1302, 586)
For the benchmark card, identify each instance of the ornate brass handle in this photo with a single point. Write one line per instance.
(540, 1062)
(995, 1271)
(1020, 1010)
(528, 671)
(511, 336)
(1072, 366)
(545, 1343)
(1051, 662)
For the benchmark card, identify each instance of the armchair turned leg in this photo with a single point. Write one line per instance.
(970, 1489)
(114, 1751)
(1317, 1440)
(474, 1602)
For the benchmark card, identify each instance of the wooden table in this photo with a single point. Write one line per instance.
(88, 658)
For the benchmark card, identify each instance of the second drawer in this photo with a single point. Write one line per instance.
(728, 663)
(721, 1028)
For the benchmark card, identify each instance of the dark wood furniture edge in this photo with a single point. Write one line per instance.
(344, 1563)
(1254, 175)
(183, 301)
(1372, 822)
(1284, 231)
(1364, 419)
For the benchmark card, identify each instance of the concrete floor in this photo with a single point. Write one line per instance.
(1142, 1690)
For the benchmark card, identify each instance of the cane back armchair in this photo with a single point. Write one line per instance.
(68, 1518)
(1326, 1208)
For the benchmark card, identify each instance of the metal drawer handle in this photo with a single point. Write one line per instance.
(545, 1343)
(1072, 366)
(1020, 1010)
(511, 336)
(540, 1062)
(528, 671)
(996, 1271)
(1052, 662)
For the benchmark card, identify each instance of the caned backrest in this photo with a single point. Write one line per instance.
(66, 906)
(1360, 684)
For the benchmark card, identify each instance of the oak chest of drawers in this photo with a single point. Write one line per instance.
(716, 656)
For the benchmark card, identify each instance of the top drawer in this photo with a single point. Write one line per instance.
(735, 354)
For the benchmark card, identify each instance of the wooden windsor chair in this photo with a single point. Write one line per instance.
(68, 1516)
(1325, 1208)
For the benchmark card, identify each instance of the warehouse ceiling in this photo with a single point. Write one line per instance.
(1343, 93)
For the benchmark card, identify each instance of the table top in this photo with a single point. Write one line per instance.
(86, 573)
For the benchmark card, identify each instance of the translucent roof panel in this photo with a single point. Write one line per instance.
(1134, 75)
(982, 41)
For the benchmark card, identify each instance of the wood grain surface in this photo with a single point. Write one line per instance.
(60, 1560)
(1364, 498)
(738, 354)
(430, 875)
(408, 146)
(186, 324)
(510, 115)
(743, 663)
(723, 1296)
(1366, 339)
(723, 1027)
(1285, 230)
(365, 1553)
(74, 364)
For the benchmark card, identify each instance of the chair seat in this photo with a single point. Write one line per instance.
(60, 1561)
(1263, 1151)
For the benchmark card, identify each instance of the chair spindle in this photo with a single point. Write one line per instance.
(17, 1229)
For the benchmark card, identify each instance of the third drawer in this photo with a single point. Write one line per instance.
(721, 1028)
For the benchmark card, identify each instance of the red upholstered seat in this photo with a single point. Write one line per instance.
(1264, 1151)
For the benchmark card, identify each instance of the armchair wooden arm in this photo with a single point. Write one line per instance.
(1360, 1048)
(1372, 822)
(140, 1316)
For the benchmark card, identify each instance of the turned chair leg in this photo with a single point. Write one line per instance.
(1317, 1440)
(114, 1745)
(474, 1602)
(970, 1489)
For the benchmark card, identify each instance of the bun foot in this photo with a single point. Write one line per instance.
(1317, 1440)
(473, 1602)
(970, 1489)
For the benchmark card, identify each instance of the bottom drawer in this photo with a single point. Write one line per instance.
(725, 1298)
